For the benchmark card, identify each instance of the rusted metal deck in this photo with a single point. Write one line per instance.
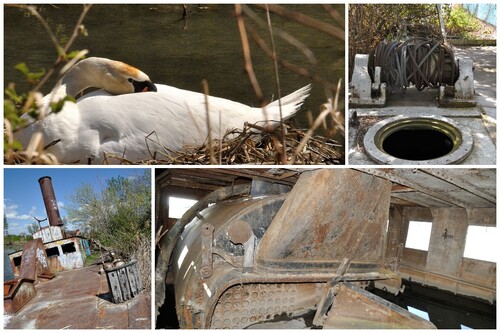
(80, 299)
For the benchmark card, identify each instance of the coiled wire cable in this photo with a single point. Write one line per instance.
(418, 61)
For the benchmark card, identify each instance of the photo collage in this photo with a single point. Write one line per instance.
(211, 166)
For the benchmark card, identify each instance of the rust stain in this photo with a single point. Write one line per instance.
(355, 308)
(321, 233)
(17, 293)
(80, 299)
(329, 215)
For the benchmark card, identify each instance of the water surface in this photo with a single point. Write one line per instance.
(178, 52)
(8, 274)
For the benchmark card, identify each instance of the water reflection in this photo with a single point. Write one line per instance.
(177, 52)
(444, 309)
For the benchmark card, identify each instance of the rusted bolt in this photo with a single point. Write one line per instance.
(206, 272)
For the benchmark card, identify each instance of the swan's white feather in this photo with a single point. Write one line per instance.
(101, 123)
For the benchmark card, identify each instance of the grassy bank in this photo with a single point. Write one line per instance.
(16, 242)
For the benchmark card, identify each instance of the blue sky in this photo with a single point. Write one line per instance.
(23, 197)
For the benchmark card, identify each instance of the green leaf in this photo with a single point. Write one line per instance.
(73, 54)
(16, 145)
(22, 68)
(32, 77)
(10, 93)
(33, 114)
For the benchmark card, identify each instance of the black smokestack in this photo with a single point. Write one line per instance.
(49, 199)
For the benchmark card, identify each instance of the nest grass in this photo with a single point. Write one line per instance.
(250, 145)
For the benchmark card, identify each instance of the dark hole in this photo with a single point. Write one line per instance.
(68, 248)
(168, 317)
(17, 261)
(52, 252)
(417, 144)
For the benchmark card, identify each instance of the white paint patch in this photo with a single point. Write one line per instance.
(40, 254)
(30, 325)
(6, 319)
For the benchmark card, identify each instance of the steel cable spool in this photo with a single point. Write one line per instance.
(416, 61)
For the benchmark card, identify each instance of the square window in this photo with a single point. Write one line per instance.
(419, 235)
(17, 261)
(68, 248)
(178, 206)
(52, 251)
(480, 243)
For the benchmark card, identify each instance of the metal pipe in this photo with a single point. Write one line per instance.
(49, 199)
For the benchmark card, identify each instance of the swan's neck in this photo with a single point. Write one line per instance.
(80, 77)
(113, 76)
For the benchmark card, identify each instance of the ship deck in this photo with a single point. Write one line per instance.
(80, 299)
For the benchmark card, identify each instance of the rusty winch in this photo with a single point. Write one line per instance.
(418, 62)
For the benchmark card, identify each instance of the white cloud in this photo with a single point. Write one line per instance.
(17, 228)
(11, 211)
(9, 208)
(61, 204)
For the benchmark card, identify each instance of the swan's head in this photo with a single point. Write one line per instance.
(113, 76)
(121, 78)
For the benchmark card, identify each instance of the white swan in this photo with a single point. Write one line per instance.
(101, 124)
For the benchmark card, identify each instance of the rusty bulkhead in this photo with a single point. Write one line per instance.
(280, 260)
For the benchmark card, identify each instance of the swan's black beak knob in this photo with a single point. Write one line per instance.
(141, 86)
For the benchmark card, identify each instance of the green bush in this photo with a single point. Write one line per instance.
(118, 215)
(459, 23)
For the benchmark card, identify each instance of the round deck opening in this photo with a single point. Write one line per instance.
(417, 144)
(418, 140)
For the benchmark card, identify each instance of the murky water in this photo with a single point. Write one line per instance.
(178, 52)
(444, 309)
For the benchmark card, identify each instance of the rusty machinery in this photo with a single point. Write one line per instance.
(21, 290)
(273, 259)
(393, 118)
(415, 62)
